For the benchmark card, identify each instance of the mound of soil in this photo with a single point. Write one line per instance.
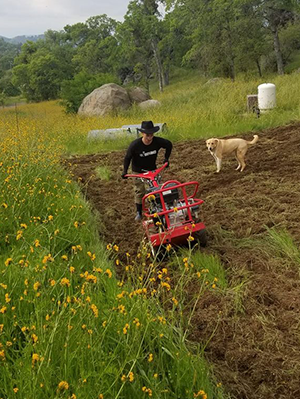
(253, 338)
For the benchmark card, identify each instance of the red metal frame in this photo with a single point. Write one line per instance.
(179, 229)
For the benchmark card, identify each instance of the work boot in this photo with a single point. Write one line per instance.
(138, 217)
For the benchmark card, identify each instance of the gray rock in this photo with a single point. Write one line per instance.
(104, 100)
(138, 95)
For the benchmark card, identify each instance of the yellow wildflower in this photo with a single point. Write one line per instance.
(2, 355)
(166, 285)
(65, 282)
(201, 394)
(175, 301)
(8, 261)
(35, 358)
(125, 329)
(34, 338)
(95, 310)
(19, 235)
(63, 385)
(150, 358)
(108, 272)
(168, 247)
(36, 286)
(92, 256)
(147, 390)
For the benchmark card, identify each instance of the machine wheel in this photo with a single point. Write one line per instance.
(201, 237)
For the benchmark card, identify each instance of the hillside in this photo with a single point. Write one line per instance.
(22, 39)
(250, 329)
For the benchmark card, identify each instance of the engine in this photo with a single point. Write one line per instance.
(171, 200)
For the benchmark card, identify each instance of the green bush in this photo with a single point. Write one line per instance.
(73, 91)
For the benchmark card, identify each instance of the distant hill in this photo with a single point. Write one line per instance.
(22, 39)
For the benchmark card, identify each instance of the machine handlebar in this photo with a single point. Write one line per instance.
(149, 175)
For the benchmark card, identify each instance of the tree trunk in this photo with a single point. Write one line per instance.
(167, 77)
(277, 49)
(160, 74)
(231, 54)
(232, 70)
(258, 68)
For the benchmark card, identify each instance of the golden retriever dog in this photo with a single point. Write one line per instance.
(220, 147)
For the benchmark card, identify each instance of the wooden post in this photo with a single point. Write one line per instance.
(252, 102)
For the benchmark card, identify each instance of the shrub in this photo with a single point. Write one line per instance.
(73, 91)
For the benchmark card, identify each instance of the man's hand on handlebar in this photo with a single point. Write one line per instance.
(124, 175)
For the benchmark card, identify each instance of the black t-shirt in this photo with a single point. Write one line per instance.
(144, 156)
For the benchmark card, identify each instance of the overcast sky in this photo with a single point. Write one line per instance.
(34, 17)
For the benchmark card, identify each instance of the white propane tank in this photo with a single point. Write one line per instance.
(266, 96)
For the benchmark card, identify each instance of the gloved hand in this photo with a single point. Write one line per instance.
(123, 175)
(168, 163)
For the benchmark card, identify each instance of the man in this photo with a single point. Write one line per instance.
(143, 152)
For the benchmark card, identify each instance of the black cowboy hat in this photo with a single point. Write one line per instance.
(148, 127)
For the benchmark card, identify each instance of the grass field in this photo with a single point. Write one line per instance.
(68, 326)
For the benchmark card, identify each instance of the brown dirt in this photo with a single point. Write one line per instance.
(254, 339)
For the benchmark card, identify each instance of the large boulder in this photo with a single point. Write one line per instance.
(107, 99)
(138, 95)
(149, 104)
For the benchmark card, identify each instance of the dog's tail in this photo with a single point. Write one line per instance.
(255, 138)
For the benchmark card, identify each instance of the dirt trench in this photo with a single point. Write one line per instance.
(255, 348)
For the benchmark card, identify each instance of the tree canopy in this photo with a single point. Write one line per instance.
(215, 37)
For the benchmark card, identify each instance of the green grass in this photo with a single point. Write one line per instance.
(191, 108)
(68, 327)
(103, 172)
(11, 101)
(283, 245)
(294, 64)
